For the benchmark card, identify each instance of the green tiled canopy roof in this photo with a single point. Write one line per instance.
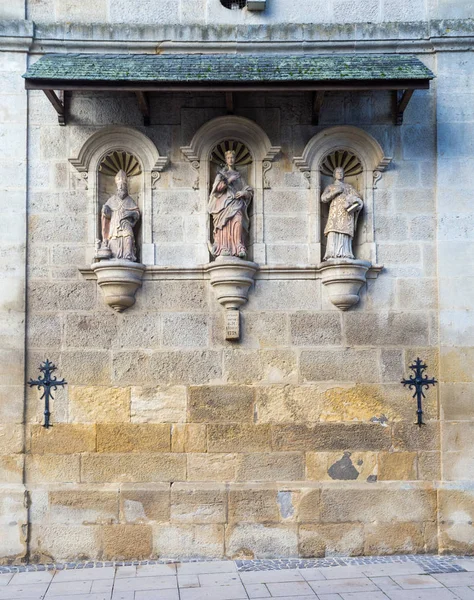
(226, 68)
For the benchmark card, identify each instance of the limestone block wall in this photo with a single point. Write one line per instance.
(169, 441)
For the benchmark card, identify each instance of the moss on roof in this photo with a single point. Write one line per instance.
(226, 67)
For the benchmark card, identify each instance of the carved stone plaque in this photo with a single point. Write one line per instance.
(232, 325)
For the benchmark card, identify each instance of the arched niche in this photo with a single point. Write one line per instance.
(95, 152)
(237, 130)
(313, 163)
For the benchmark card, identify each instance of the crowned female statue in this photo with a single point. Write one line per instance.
(345, 206)
(228, 203)
(120, 214)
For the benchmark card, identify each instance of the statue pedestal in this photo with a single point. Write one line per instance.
(343, 278)
(231, 278)
(119, 280)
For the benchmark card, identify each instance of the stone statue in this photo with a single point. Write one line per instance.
(120, 214)
(345, 206)
(228, 203)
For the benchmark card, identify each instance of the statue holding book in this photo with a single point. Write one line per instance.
(345, 206)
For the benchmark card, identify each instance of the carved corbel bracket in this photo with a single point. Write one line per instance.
(267, 164)
(344, 279)
(119, 281)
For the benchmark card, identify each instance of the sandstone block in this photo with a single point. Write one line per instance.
(253, 503)
(58, 542)
(51, 468)
(262, 330)
(238, 438)
(212, 467)
(130, 437)
(346, 539)
(386, 329)
(13, 524)
(408, 437)
(279, 295)
(289, 404)
(316, 329)
(385, 504)
(456, 403)
(429, 466)
(193, 541)
(192, 367)
(79, 506)
(308, 508)
(44, 330)
(11, 439)
(221, 404)
(46, 296)
(139, 331)
(280, 200)
(340, 365)
(258, 540)
(198, 503)
(174, 295)
(90, 331)
(112, 468)
(416, 294)
(331, 436)
(161, 404)
(399, 538)
(185, 330)
(83, 367)
(190, 437)
(271, 466)
(63, 439)
(286, 228)
(98, 404)
(248, 367)
(11, 468)
(126, 542)
(142, 503)
(337, 466)
(397, 466)
(130, 368)
(455, 364)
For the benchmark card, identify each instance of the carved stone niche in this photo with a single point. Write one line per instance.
(363, 161)
(105, 154)
(230, 275)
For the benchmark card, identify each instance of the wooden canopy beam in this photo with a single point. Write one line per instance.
(401, 100)
(144, 106)
(318, 99)
(58, 104)
(229, 102)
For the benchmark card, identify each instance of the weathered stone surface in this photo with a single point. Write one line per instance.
(338, 466)
(162, 404)
(253, 503)
(193, 367)
(308, 508)
(47, 296)
(279, 295)
(99, 404)
(331, 436)
(289, 404)
(399, 538)
(198, 503)
(90, 331)
(112, 468)
(272, 366)
(59, 541)
(221, 404)
(258, 540)
(316, 329)
(262, 330)
(212, 467)
(11, 468)
(340, 365)
(385, 504)
(11, 438)
(130, 437)
(455, 364)
(190, 437)
(126, 542)
(193, 541)
(429, 466)
(51, 468)
(456, 510)
(44, 331)
(386, 329)
(142, 503)
(83, 506)
(185, 330)
(84, 367)
(139, 330)
(238, 438)
(322, 540)
(272, 466)
(397, 466)
(174, 295)
(63, 439)
(407, 437)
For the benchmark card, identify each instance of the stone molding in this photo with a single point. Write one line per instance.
(90, 156)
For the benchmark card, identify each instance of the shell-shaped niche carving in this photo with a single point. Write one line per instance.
(242, 153)
(120, 161)
(341, 158)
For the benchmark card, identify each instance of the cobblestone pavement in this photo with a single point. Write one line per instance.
(375, 578)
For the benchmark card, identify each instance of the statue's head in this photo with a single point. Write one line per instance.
(230, 158)
(338, 174)
(122, 184)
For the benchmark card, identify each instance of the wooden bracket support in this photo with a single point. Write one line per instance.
(144, 106)
(318, 99)
(58, 104)
(401, 100)
(229, 102)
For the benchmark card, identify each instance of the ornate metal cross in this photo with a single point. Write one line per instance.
(48, 382)
(418, 382)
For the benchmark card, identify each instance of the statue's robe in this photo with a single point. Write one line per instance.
(119, 216)
(229, 214)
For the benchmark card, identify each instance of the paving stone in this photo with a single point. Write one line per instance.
(343, 586)
(386, 584)
(220, 566)
(294, 588)
(271, 576)
(221, 592)
(342, 572)
(32, 592)
(312, 574)
(365, 596)
(145, 583)
(455, 579)
(257, 590)
(464, 593)
(430, 594)
(84, 574)
(5, 578)
(391, 569)
(408, 582)
(31, 577)
(208, 579)
(63, 589)
(126, 572)
(154, 570)
(157, 594)
(185, 581)
(467, 564)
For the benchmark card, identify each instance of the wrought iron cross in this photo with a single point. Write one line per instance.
(418, 382)
(49, 383)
